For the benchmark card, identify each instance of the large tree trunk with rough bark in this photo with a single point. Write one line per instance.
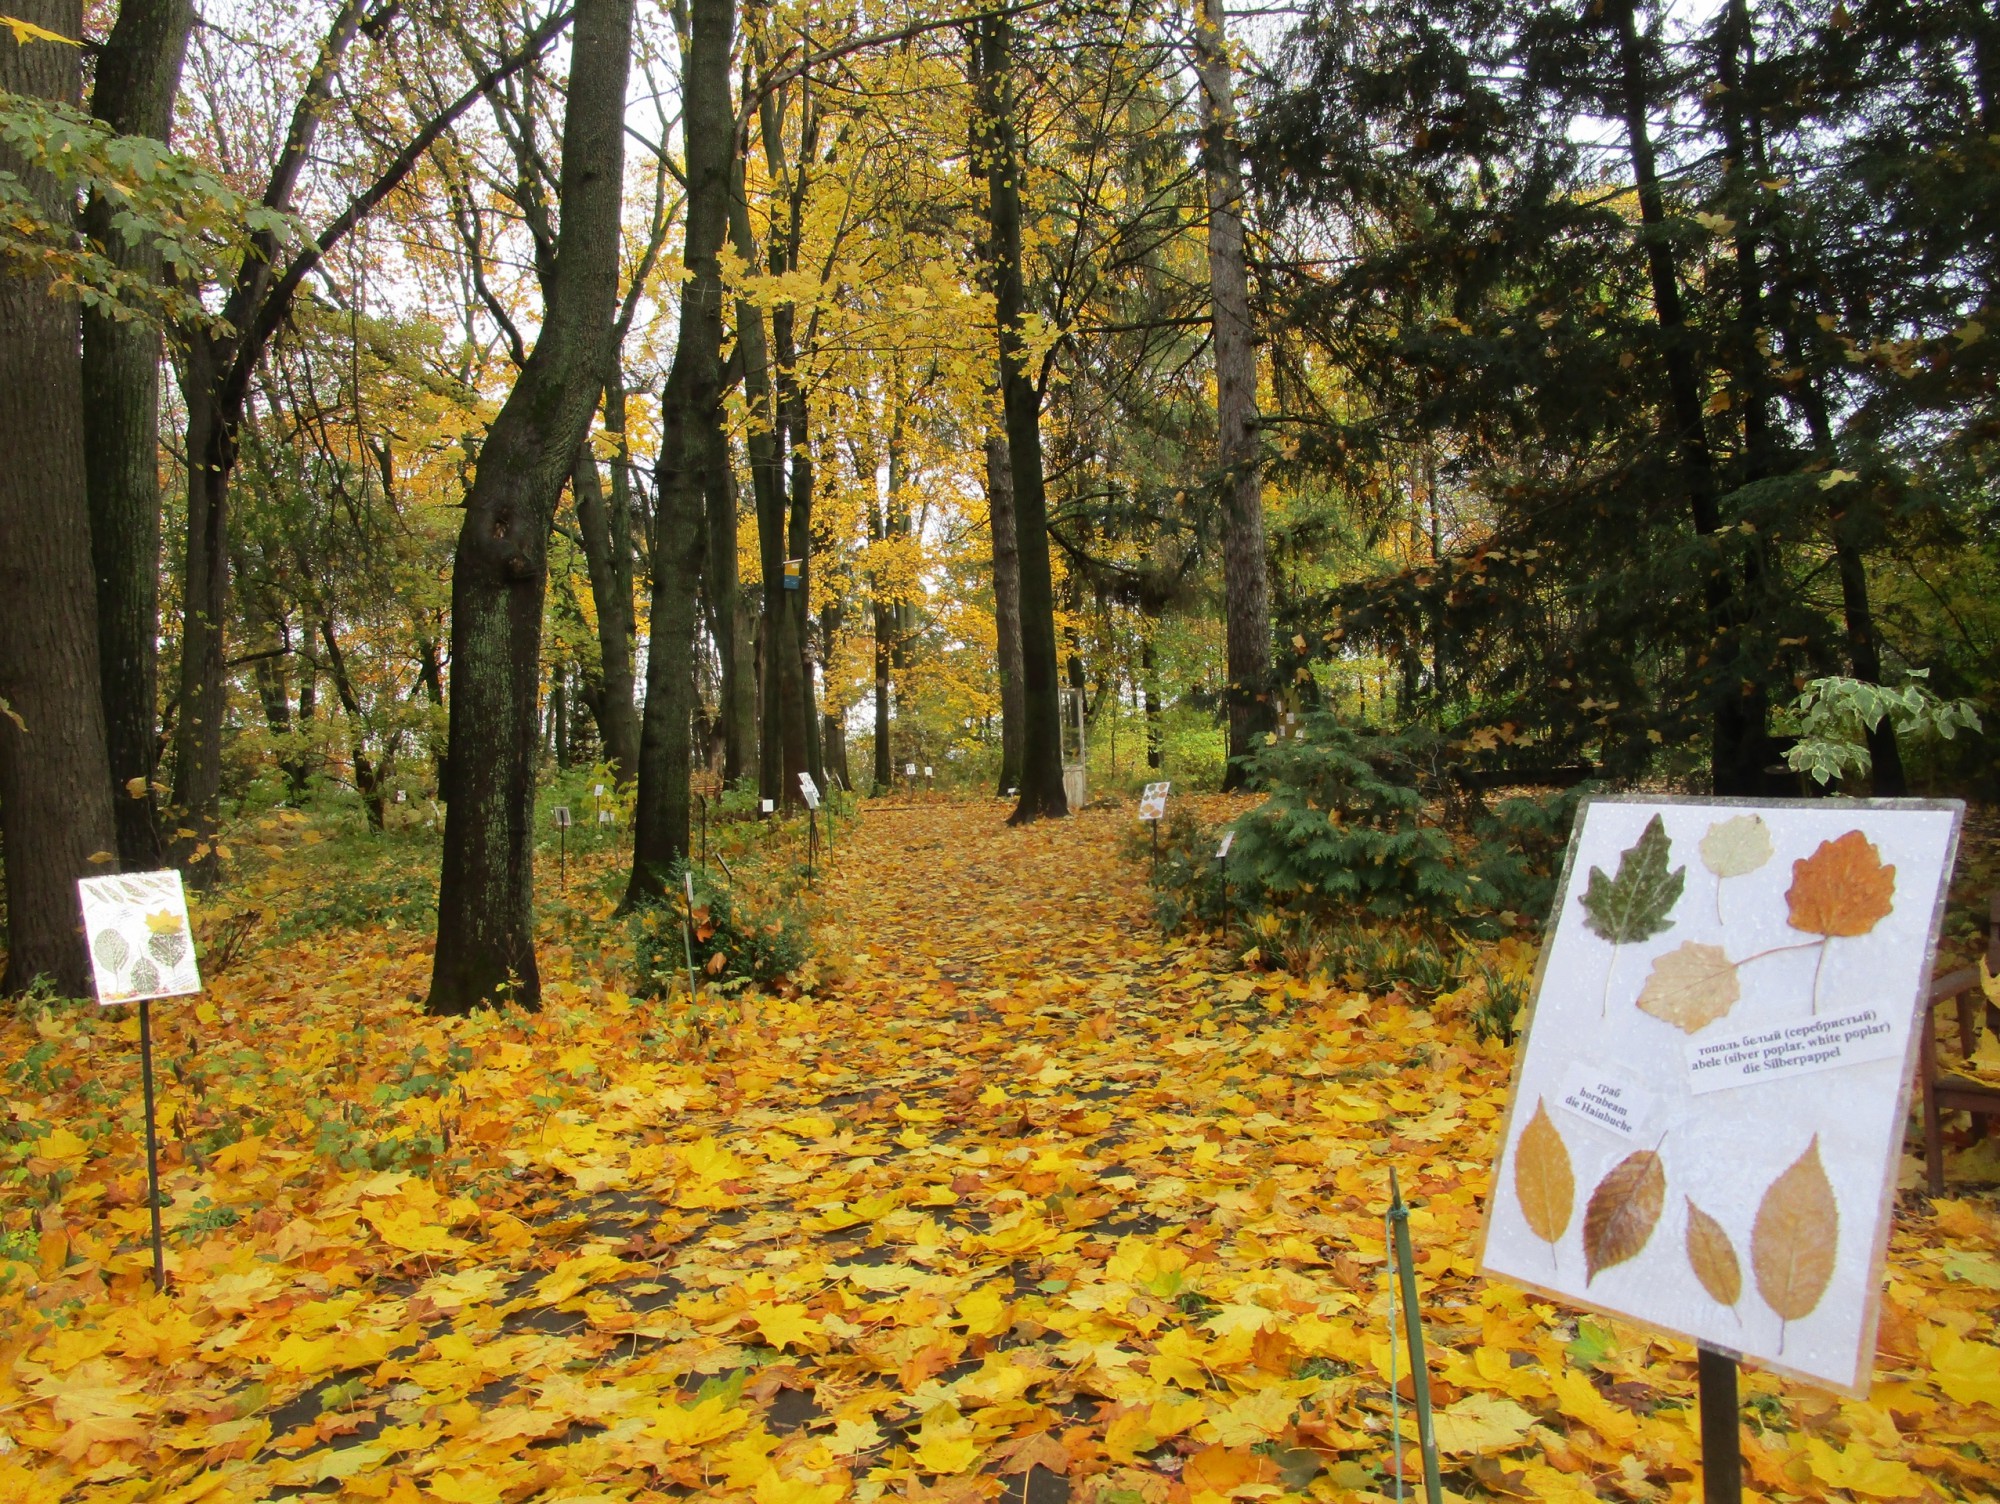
(55, 781)
(138, 73)
(1246, 588)
(485, 943)
(998, 144)
(692, 448)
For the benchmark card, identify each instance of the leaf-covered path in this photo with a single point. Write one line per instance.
(1017, 1196)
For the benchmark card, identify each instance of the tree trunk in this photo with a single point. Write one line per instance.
(607, 554)
(1149, 700)
(1041, 711)
(1246, 585)
(737, 693)
(691, 451)
(138, 73)
(1740, 745)
(55, 780)
(366, 783)
(1006, 606)
(485, 943)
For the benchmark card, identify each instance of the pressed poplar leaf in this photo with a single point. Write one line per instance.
(1690, 987)
(168, 947)
(1623, 1211)
(1713, 1257)
(1634, 905)
(1735, 846)
(111, 950)
(1543, 1181)
(1841, 889)
(145, 976)
(1795, 1236)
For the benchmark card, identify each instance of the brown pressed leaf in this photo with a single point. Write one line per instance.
(1793, 1241)
(1713, 1257)
(1543, 1179)
(1841, 889)
(1623, 1211)
(1690, 987)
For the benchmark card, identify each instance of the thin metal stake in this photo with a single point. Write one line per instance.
(1395, 1395)
(1413, 1324)
(1721, 1440)
(152, 1142)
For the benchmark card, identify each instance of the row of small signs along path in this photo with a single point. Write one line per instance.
(1019, 1198)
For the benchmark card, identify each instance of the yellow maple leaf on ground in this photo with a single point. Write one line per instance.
(1967, 1371)
(1480, 1424)
(1859, 1470)
(786, 1325)
(696, 1425)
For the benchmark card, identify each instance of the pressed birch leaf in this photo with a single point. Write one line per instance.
(1634, 905)
(1690, 987)
(1713, 1257)
(1841, 889)
(1543, 1180)
(1795, 1236)
(1735, 846)
(1623, 1211)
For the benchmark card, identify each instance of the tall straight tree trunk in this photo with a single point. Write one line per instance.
(1006, 606)
(1041, 708)
(138, 73)
(691, 451)
(1740, 744)
(724, 591)
(485, 942)
(607, 554)
(367, 783)
(1246, 585)
(884, 612)
(55, 780)
(1149, 700)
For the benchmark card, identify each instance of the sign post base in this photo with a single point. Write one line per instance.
(1721, 1441)
(152, 1142)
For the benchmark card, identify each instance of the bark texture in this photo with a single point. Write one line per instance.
(1246, 586)
(1041, 719)
(138, 73)
(485, 943)
(607, 553)
(1006, 606)
(691, 450)
(55, 781)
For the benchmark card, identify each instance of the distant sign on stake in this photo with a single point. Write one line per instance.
(810, 790)
(141, 947)
(1153, 803)
(1709, 1106)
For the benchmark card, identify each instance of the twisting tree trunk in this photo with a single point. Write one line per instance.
(367, 782)
(55, 783)
(1006, 605)
(1246, 587)
(1041, 713)
(691, 450)
(1739, 746)
(485, 944)
(138, 73)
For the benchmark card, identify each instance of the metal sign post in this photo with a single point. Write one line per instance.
(1413, 1326)
(810, 791)
(562, 845)
(1721, 1441)
(1222, 866)
(687, 932)
(142, 947)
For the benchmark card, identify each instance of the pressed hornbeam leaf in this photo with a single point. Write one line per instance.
(1793, 1240)
(1841, 889)
(1634, 905)
(1713, 1257)
(1623, 1211)
(1690, 987)
(1543, 1180)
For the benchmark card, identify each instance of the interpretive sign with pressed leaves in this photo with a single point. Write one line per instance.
(1709, 1105)
(140, 942)
(1153, 802)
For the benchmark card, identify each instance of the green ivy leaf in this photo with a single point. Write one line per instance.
(1634, 905)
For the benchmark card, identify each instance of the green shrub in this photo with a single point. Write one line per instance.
(735, 939)
(1344, 830)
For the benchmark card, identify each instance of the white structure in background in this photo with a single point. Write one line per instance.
(1076, 783)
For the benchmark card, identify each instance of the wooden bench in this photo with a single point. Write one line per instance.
(1944, 1090)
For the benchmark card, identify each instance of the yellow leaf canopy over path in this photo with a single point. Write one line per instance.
(1014, 1198)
